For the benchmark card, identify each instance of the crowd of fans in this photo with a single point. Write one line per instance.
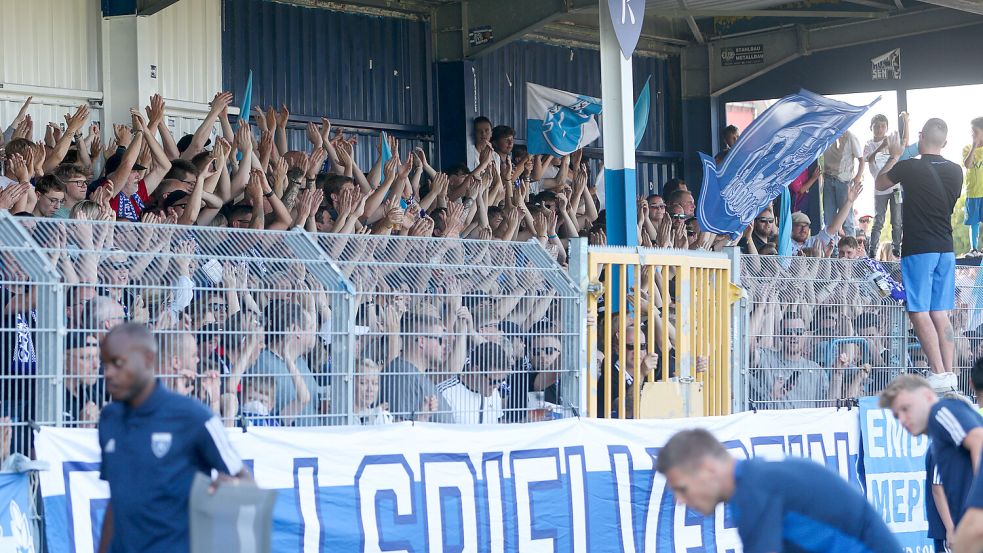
(253, 338)
(446, 331)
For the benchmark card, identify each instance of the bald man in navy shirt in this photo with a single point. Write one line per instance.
(794, 506)
(153, 443)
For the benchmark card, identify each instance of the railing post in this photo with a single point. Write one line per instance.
(740, 352)
(577, 322)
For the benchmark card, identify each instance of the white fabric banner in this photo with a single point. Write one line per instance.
(570, 485)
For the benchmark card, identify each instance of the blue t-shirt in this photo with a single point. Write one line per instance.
(150, 455)
(949, 422)
(797, 506)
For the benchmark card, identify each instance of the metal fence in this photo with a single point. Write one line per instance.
(660, 326)
(465, 331)
(285, 328)
(823, 332)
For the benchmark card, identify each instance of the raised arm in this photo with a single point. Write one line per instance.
(895, 149)
(851, 196)
(161, 164)
(221, 102)
(74, 124)
(121, 176)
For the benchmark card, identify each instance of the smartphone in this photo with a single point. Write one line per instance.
(790, 383)
(901, 127)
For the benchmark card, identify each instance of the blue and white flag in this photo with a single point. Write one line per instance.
(777, 146)
(559, 123)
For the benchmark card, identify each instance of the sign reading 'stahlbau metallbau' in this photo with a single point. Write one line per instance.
(742, 55)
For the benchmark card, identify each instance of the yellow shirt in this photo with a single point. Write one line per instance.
(974, 175)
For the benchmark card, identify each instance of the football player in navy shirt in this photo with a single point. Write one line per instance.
(795, 505)
(954, 426)
(153, 443)
(969, 534)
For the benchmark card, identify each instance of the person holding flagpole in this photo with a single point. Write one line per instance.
(933, 184)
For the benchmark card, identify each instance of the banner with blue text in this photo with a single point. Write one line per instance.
(573, 485)
(894, 474)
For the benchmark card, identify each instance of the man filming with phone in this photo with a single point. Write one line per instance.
(789, 379)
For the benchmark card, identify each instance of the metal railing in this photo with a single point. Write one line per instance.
(669, 313)
(823, 332)
(286, 328)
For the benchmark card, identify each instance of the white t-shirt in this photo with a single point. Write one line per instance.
(5, 182)
(879, 161)
(822, 239)
(473, 157)
(840, 159)
(469, 407)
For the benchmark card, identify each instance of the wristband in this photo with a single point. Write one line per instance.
(270, 195)
(554, 236)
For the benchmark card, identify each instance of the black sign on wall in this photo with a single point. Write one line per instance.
(742, 55)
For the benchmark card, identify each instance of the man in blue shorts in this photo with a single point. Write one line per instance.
(794, 505)
(955, 428)
(931, 185)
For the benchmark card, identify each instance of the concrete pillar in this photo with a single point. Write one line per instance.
(129, 61)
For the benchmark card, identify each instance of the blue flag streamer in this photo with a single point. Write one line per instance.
(387, 152)
(785, 225)
(247, 100)
(642, 106)
(777, 147)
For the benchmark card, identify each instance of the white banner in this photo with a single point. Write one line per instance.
(573, 485)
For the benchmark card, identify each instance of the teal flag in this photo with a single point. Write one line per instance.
(642, 106)
(247, 100)
(387, 152)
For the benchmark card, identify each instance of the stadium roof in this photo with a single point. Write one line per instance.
(670, 25)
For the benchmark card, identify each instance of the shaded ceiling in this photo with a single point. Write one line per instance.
(669, 24)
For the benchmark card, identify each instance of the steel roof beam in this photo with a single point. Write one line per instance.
(971, 6)
(785, 45)
(509, 21)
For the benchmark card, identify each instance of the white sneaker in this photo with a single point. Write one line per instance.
(943, 382)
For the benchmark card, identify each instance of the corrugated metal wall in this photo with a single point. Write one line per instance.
(320, 62)
(500, 79)
(50, 43)
(502, 76)
(189, 50)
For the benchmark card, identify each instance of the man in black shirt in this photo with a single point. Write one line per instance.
(763, 231)
(931, 184)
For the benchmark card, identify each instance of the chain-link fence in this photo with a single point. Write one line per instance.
(475, 332)
(824, 332)
(284, 328)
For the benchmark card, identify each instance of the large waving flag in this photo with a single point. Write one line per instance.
(777, 146)
(559, 123)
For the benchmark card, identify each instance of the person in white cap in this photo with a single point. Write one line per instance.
(802, 236)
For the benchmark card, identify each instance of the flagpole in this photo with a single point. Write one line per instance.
(618, 130)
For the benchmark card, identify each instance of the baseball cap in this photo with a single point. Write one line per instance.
(866, 216)
(112, 164)
(799, 218)
(185, 141)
